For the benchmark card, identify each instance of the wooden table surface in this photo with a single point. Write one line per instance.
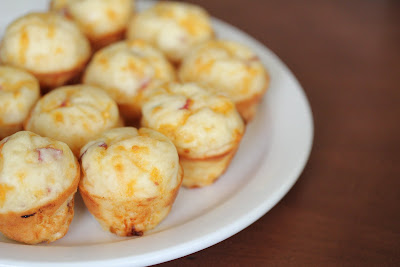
(345, 207)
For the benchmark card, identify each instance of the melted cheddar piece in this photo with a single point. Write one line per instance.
(4, 189)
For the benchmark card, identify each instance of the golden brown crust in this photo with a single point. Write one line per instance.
(204, 172)
(248, 108)
(105, 40)
(46, 223)
(49, 81)
(130, 113)
(130, 217)
(9, 129)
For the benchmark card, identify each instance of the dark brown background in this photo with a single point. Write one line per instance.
(345, 207)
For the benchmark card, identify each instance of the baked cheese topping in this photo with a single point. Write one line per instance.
(44, 43)
(33, 171)
(173, 27)
(125, 68)
(19, 91)
(226, 67)
(74, 114)
(126, 163)
(96, 18)
(199, 123)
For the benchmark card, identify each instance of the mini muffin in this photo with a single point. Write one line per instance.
(125, 70)
(205, 128)
(173, 27)
(229, 68)
(130, 179)
(19, 91)
(38, 179)
(74, 114)
(102, 21)
(49, 46)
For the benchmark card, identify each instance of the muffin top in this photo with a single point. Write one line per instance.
(199, 123)
(125, 68)
(173, 27)
(44, 43)
(73, 114)
(96, 18)
(19, 91)
(226, 67)
(126, 163)
(33, 171)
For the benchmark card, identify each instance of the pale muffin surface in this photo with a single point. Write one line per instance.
(173, 27)
(126, 163)
(19, 91)
(34, 171)
(74, 114)
(97, 19)
(125, 68)
(130, 179)
(226, 67)
(44, 43)
(199, 123)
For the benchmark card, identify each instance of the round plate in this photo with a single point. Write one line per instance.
(271, 157)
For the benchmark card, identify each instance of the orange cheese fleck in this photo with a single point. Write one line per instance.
(58, 117)
(23, 45)
(4, 189)
(21, 175)
(140, 149)
(224, 108)
(103, 61)
(118, 167)
(111, 14)
(248, 79)
(130, 187)
(59, 50)
(204, 66)
(51, 31)
(155, 176)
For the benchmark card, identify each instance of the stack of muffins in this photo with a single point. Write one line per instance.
(74, 94)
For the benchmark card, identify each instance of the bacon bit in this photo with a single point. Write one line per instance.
(1, 87)
(4, 141)
(48, 190)
(156, 183)
(27, 216)
(65, 103)
(102, 145)
(54, 152)
(80, 158)
(145, 83)
(183, 39)
(250, 60)
(65, 12)
(188, 103)
(254, 58)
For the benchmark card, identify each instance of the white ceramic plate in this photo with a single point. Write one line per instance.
(271, 157)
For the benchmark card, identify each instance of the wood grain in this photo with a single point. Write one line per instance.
(345, 208)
